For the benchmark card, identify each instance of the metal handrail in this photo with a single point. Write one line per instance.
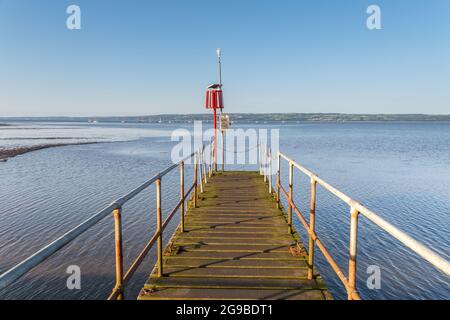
(355, 209)
(16, 272)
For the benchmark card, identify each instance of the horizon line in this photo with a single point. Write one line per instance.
(231, 113)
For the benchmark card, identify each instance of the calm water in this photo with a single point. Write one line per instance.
(399, 170)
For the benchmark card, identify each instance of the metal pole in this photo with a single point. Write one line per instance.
(201, 169)
(312, 222)
(215, 140)
(265, 164)
(278, 181)
(219, 67)
(215, 124)
(205, 172)
(223, 151)
(119, 255)
(195, 180)
(270, 170)
(291, 180)
(353, 251)
(182, 209)
(158, 227)
(259, 158)
(211, 156)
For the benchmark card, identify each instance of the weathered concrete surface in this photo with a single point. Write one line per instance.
(235, 246)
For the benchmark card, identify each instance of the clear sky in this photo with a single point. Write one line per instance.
(138, 57)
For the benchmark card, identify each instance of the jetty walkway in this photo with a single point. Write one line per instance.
(236, 244)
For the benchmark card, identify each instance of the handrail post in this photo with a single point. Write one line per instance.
(215, 151)
(270, 170)
(353, 251)
(291, 181)
(265, 164)
(182, 209)
(205, 172)
(158, 227)
(259, 159)
(278, 181)
(200, 163)
(262, 160)
(223, 151)
(312, 222)
(195, 181)
(119, 253)
(211, 160)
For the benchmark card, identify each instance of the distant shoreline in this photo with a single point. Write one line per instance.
(243, 118)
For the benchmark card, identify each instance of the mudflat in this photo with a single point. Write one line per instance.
(5, 154)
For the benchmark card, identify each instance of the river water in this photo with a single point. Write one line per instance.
(399, 170)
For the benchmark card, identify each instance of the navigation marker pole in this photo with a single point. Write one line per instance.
(214, 100)
(219, 67)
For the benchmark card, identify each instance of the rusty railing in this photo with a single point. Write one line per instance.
(201, 175)
(356, 209)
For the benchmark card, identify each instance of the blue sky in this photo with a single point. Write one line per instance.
(139, 57)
